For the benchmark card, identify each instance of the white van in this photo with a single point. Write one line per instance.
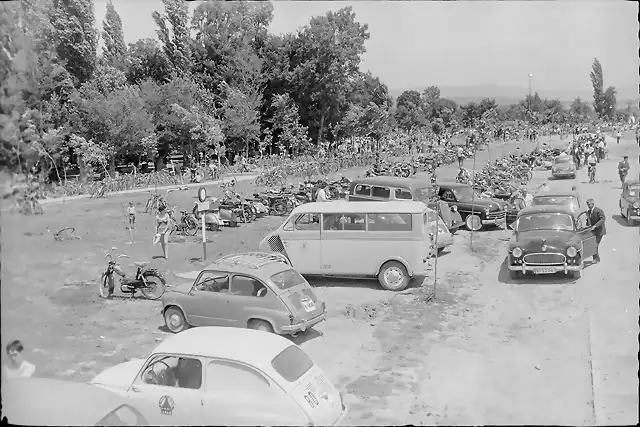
(391, 241)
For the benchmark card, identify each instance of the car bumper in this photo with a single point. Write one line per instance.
(304, 325)
(545, 269)
(495, 221)
(563, 173)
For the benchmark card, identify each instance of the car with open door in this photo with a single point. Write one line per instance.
(548, 239)
(476, 212)
(630, 201)
(227, 376)
(247, 290)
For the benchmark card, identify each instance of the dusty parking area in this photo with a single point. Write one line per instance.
(485, 350)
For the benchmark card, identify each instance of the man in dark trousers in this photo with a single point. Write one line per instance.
(595, 218)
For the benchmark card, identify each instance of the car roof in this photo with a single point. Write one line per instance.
(48, 401)
(546, 209)
(344, 206)
(251, 262)
(557, 194)
(393, 181)
(452, 185)
(248, 346)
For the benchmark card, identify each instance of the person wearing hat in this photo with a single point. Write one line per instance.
(623, 169)
(595, 220)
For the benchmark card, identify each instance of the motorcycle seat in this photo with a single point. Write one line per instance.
(140, 263)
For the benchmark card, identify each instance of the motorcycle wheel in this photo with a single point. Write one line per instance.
(406, 173)
(279, 208)
(107, 285)
(156, 286)
(191, 226)
(249, 214)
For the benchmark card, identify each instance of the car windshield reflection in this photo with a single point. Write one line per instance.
(545, 221)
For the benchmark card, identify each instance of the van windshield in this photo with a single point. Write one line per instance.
(287, 279)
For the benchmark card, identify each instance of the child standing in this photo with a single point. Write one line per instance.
(131, 211)
(17, 366)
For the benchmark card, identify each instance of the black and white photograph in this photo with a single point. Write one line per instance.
(329, 213)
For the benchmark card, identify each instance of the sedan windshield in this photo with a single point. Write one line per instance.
(463, 194)
(545, 221)
(564, 159)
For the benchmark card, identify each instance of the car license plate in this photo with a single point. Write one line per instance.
(544, 271)
(308, 305)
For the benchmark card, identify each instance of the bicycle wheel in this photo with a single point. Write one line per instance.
(106, 285)
(191, 226)
(156, 286)
(64, 233)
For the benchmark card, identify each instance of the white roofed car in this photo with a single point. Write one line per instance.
(47, 401)
(227, 376)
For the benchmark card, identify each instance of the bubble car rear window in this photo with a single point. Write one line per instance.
(292, 363)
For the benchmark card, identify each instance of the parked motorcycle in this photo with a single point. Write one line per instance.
(215, 217)
(148, 281)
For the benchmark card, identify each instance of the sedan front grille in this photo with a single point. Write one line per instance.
(496, 215)
(544, 259)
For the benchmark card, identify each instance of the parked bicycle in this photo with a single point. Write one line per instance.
(154, 202)
(148, 281)
(187, 224)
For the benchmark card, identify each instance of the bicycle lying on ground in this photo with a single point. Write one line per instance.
(148, 281)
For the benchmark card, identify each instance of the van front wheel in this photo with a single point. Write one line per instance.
(393, 276)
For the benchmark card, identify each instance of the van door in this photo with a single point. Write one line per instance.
(344, 236)
(301, 239)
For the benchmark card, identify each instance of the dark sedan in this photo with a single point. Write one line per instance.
(549, 239)
(476, 212)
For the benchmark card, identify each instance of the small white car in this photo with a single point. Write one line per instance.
(227, 376)
(47, 401)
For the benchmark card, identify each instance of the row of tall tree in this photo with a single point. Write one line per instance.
(215, 81)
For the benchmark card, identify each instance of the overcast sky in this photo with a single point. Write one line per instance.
(415, 44)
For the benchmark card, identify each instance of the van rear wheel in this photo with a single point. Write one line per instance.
(393, 276)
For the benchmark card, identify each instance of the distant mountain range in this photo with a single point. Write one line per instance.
(507, 95)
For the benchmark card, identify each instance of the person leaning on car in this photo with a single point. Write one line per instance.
(595, 220)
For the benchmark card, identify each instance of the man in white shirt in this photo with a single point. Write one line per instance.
(17, 367)
(460, 156)
(321, 195)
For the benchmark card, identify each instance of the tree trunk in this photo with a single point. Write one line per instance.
(83, 169)
(112, 167)
(320, 130)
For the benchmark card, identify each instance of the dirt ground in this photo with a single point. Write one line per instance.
(485, 350)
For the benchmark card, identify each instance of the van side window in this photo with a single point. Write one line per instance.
(389, 222)
(343, 222)
(382, 192)
(307, 222)
(362, 190)
(401, 194)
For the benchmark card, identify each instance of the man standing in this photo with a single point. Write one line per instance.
(321, 195)
(460, 156)
(595, 220)
(623, 169)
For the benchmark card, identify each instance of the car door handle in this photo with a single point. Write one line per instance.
(136, 389)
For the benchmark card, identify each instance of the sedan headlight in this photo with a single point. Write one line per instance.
(571, 252)
(636, 205)
(516, 252)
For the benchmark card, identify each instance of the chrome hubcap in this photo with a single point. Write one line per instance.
(175, 320)
(393, 277)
